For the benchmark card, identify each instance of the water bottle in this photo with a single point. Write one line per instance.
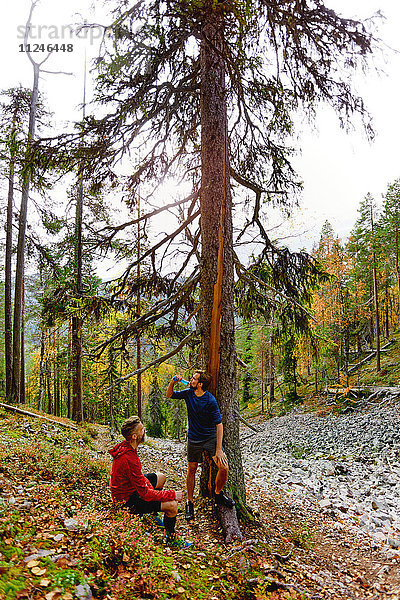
(181, 381)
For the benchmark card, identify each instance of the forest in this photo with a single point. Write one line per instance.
(141, 242)
(183, 98)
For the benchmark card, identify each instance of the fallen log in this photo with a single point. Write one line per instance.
(335, 391)
(246, 422)
(31, 414)
(367, 358)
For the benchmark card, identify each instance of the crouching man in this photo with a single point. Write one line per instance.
(142, 494)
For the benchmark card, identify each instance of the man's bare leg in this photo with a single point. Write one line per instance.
(190, 480)
(190, 483)
(221, 477)
(220, 480)
(161, 479)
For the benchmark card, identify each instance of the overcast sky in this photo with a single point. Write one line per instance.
(338, 169)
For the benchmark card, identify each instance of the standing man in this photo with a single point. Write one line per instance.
(205, 433)
(142, 494)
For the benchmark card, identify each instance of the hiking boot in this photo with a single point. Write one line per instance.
(177, 543)
(189, 511)
(223, 500)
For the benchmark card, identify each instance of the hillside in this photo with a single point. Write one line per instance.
(61, 538)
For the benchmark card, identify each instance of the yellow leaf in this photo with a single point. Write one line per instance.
(44, 582)
(38, 571)
(180, 590)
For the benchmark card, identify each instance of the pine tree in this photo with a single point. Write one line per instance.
(389, 230)
(155, 414)
(363, 246)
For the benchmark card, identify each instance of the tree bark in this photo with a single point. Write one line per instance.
(216, 317)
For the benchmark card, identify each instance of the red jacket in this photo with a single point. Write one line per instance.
(127, 477)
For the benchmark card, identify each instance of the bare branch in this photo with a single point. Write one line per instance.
(161, 243)
(146, 216)
(152, 314)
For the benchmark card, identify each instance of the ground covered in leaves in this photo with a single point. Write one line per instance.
(60, 537)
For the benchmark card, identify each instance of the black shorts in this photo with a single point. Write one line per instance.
(195, 449)
(138, 506)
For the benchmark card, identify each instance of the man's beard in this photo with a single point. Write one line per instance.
(142, 439)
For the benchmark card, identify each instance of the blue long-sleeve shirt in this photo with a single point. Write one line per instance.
(203, 414)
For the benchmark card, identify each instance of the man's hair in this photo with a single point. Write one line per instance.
(129, 426)
(205, 378)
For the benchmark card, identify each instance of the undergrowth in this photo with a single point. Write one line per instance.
(47, 483)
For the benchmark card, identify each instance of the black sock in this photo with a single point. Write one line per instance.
(169, 524)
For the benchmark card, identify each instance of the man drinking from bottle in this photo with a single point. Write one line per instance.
(205, 433)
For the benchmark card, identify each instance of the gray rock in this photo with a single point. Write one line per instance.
(72, 524)
(83, 592)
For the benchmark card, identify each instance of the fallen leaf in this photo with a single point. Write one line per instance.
(54, 595)
(32, 563)
(44, 582)
(67, 596)
(125, 557)
(62, 562)
(38, 571)
(180, 590)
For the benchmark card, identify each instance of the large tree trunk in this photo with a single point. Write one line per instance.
(19, 273)
(217, 269)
